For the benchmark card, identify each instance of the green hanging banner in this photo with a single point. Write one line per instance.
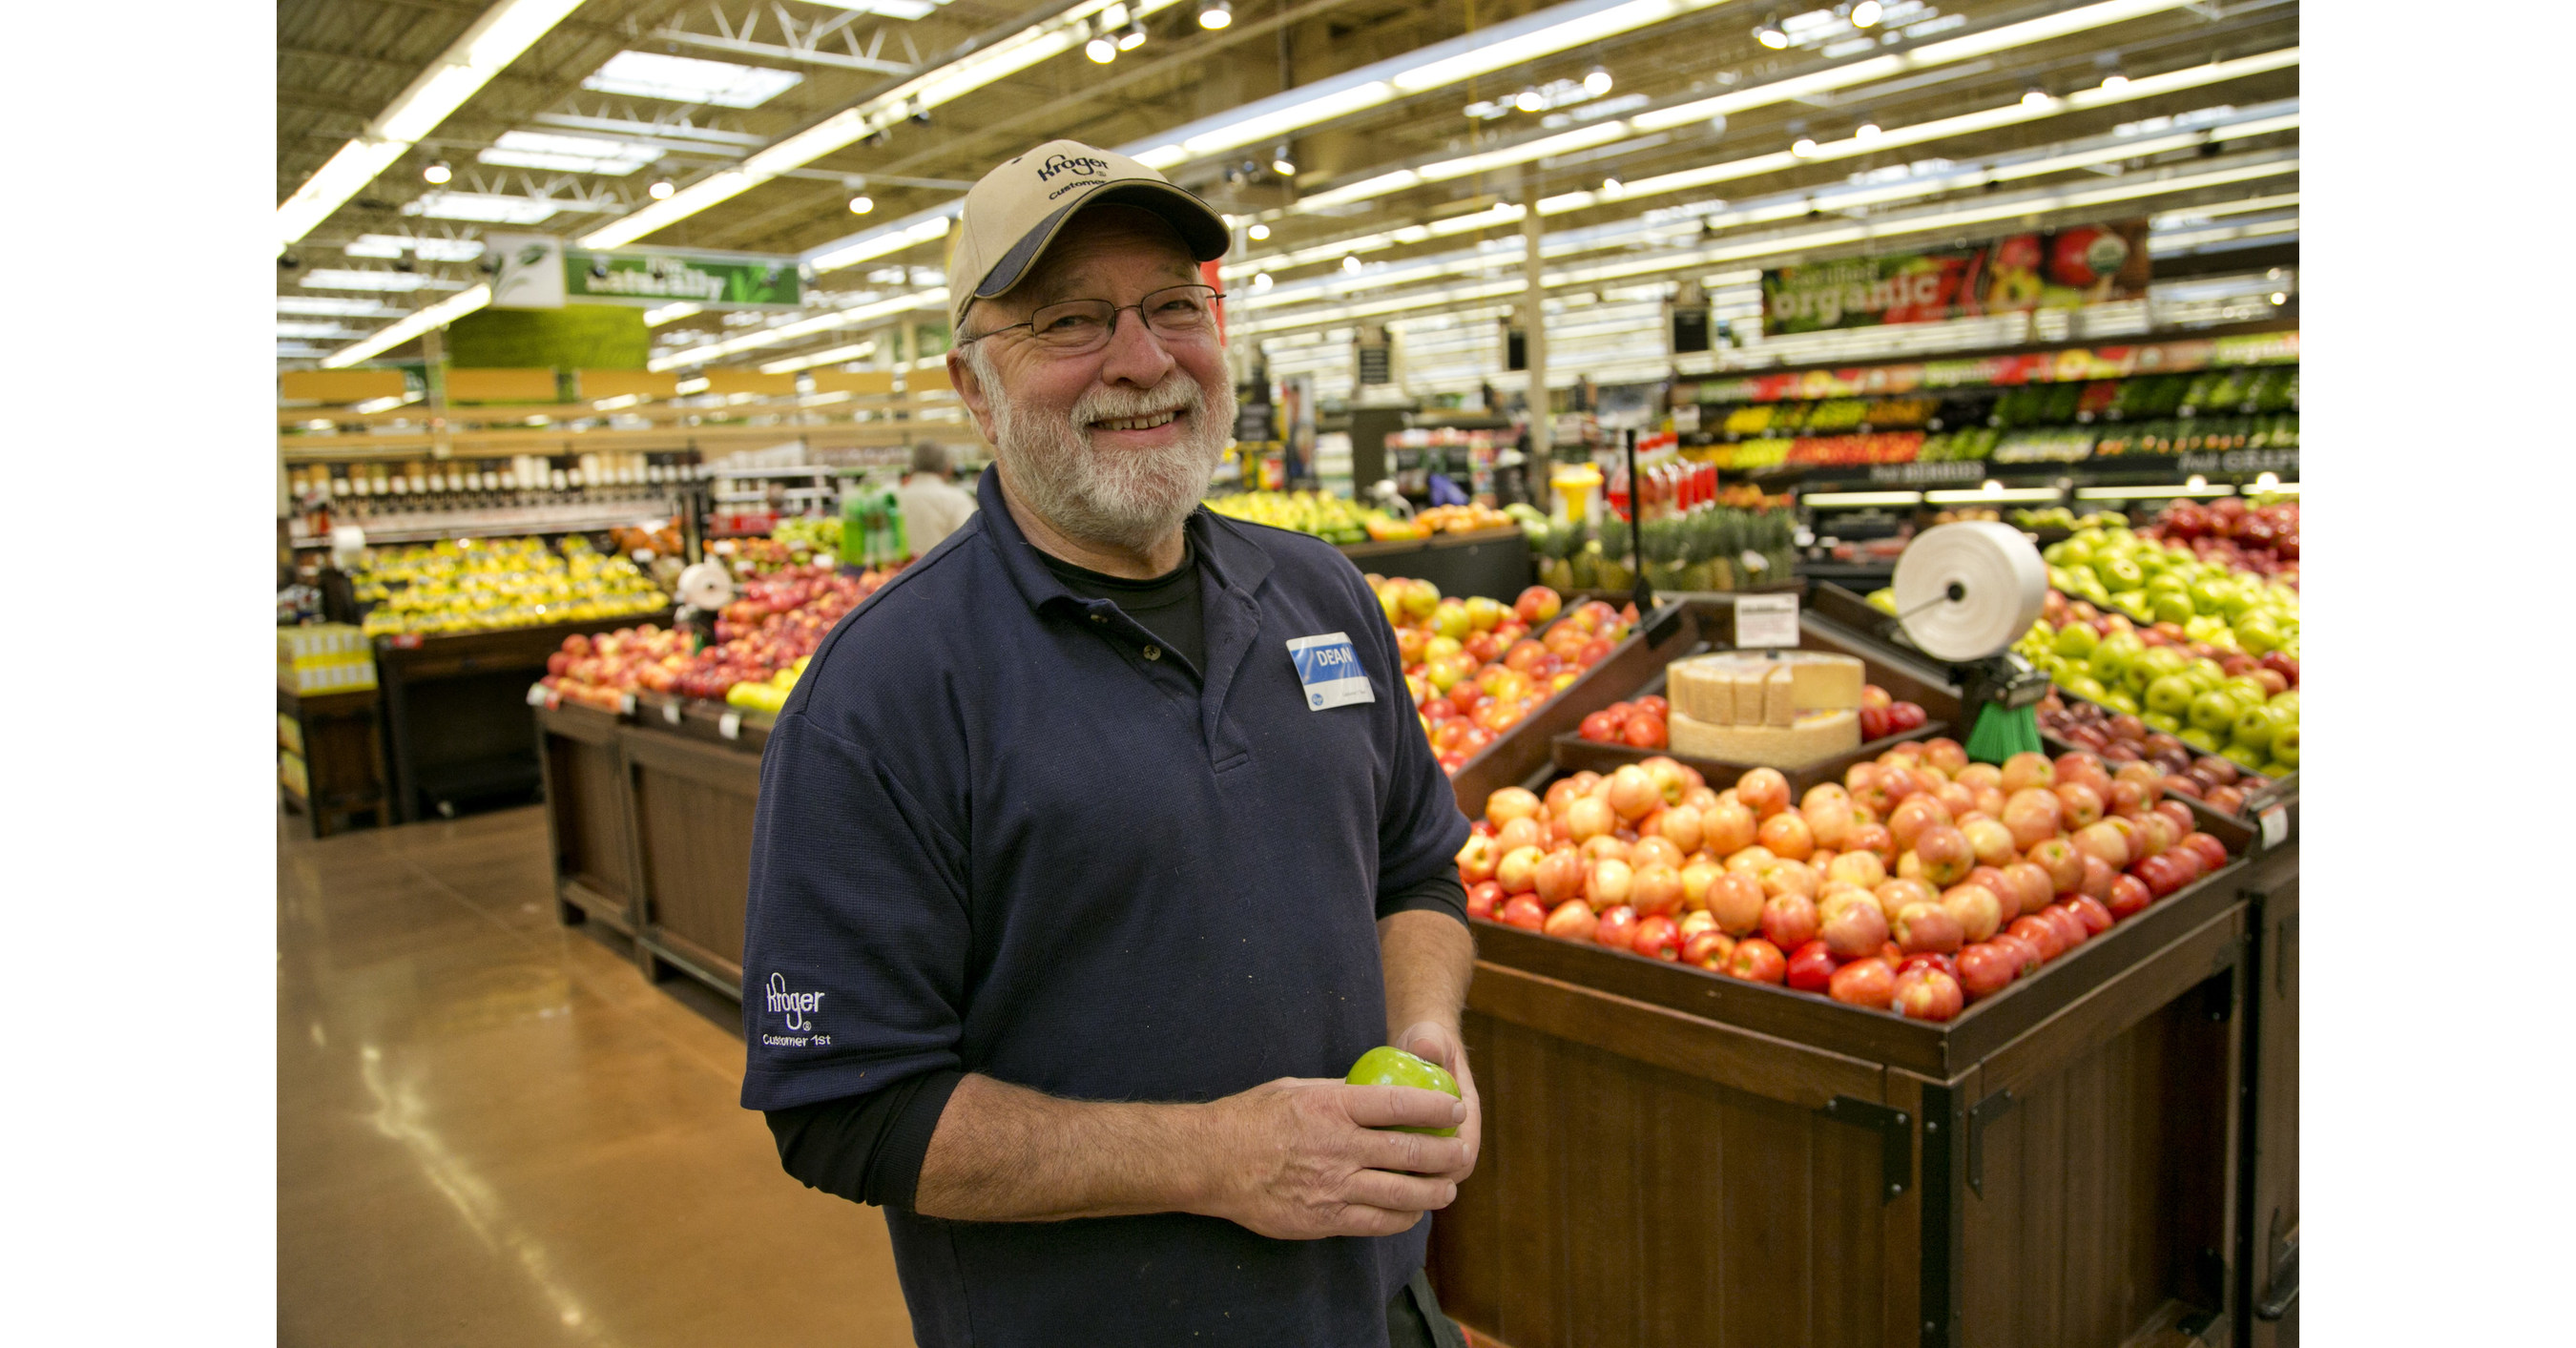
(652, 279)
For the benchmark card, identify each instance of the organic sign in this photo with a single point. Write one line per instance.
(650, 279)
(2053, 269)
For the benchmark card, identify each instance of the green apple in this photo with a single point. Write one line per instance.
(2288, 698)
(2247, 758)
(2166, 722)
(1883, 600)
(2172, 606)
(2055, 555)
(2201, 741)
(1395, 1067)
(2258, 633)
(2119, 572)
(2285, 746)
(2215, 711)
(2171, 696)
(2206, 673)
(2084, 686)
(2248, 690)
(2076, 641)
(2237, 602)
(2253, 728)
(2209, 594)
(2118, 699)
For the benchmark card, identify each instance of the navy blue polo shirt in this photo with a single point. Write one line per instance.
(1000, 831)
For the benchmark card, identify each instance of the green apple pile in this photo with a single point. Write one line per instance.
(2164, 584)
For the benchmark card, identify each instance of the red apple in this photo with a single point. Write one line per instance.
(1617, 927)
(1928, 994)
(1756, 960)
(1853, 930)
(2071, 929)
(1945, 855)
(1993, 842)
(2156, 833)
(1976, 909)
(2024, 953)
(1590, 817)
(1656, 891)
(1811, 968)
(1483, 899)
(1708, 949)
(1987, 968)
(1857, 868)
(1697, 875)
(2031, 886)
(1680, 825)
(1520, 910)
(1559, 876)
(1728, 827)
(2129, 896)
(1657, 938)
(1633, 793)
(1864, 982)
(1736, 900)
(2213, 853)
(1946, 754)
(2024, 771)
(2033, 815)
(2041, 935)
(1913, 815)
(2096, 918)
(1788, 836)
(1789, 920)
(2083, 804)
(1873, 839)
(1573, 920)
(1829, 821)
(1510, 803)
(1654, 850)
(1610, 884)
(1925, 927)
(1764, 791)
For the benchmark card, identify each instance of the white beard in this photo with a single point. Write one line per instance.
(1130, 500)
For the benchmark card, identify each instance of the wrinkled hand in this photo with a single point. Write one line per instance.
(1440, 1043)
(1302, 1158)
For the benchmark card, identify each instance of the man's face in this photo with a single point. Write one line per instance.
(1116, 445)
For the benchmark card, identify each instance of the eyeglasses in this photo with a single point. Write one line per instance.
(1080, 327)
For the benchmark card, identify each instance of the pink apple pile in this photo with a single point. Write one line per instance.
(1920, 884)
(600, 671)
(778, 618)
(1471, 666)
(2260, 539)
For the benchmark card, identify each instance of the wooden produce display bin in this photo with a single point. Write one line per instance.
(692, 797)
(1512, 758)
(337, 738)
(457, 721)
(589, 818)
(1675, 1157)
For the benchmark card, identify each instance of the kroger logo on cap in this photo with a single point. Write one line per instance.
(1083, 165)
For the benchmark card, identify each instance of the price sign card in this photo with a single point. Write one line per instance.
(1766, 620)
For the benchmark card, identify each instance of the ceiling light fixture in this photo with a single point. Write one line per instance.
(2035, 97)
(1134, 37)
(862, 204)
(1866, 13)
(1258, 231)
(690, 79)
(438, 315)
(1610, 186)
(1803, 146)
(1597, 81)
(1261, 280)
(1281, 163)
(1867, 130)
(495, 40)
(2280, 297)
(437, 172)
(1530, 100)
(1350, 262)
(1100, 48)
(1215, 15)
(2115, 80)
(1770, 34)
(661, 189)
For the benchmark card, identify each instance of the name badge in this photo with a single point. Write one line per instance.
(1331, 671)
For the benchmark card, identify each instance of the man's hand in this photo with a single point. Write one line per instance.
(1301, 1158)
(1437, 1042)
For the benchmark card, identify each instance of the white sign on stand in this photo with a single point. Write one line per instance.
(1766, 620)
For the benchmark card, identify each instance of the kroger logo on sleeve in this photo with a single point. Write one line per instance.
(797, 1010)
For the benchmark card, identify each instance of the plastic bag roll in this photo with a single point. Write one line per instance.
(2002, 586)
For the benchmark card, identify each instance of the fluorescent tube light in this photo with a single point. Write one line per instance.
(491, 208)
(335, 307)
(892, 238)
(492, 43)
(317, 329)
(690, 79)
(934, 298)
(428, 250)
(1861, 498)
(671, 313)
(438, 315)
(336, 278)
(2148, 493)
(1972, 496)
(835, 356)
(569, 154)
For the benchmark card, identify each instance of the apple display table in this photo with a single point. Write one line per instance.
(338, 737)
(457, 719)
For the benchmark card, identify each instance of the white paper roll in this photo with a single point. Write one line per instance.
(2001, 586)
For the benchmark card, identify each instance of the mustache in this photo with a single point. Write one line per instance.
(1177, 393)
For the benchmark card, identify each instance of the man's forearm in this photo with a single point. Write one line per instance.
(1428, 959)
(1005, 1153)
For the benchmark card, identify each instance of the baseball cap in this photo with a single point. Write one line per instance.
(1015, 211)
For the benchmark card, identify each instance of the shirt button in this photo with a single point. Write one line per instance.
(1153, 652)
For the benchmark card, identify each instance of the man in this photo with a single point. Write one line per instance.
(933, 507)
(1095, 848)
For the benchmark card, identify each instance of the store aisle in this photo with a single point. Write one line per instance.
(492, 1132)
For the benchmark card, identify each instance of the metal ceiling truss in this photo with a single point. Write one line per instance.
(801, 43)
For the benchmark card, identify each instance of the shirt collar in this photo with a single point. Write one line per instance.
(1221, 546)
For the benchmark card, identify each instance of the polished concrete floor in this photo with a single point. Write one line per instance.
(492, 1132)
